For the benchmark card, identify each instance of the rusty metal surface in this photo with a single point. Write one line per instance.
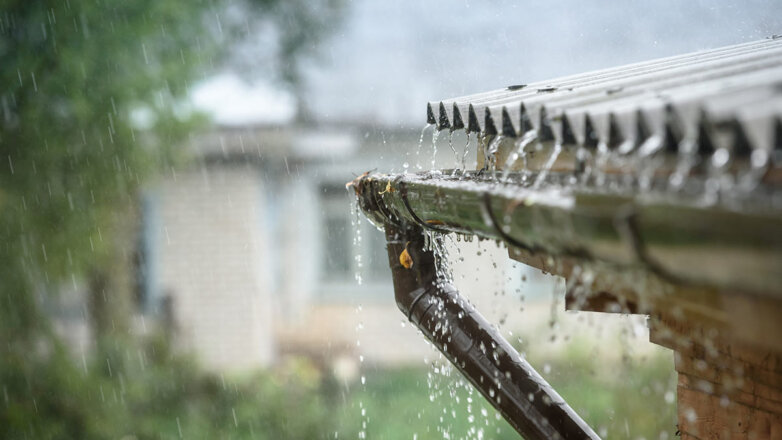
(723, 98)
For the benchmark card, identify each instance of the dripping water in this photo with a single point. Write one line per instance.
(453, 149)
(601, 161)
(688, 158)
(548, 166)
(490, 153)
(518, 152)
(436, 243)
(750, 178)
(623, 159)
(466, 150)
(453, 397)
(420, 146)
(647, 162)
(435, 136)
(362, 434)
(355, 222)
(718, 178)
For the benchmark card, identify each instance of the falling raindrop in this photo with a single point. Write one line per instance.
(435, 136)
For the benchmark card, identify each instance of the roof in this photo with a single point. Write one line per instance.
(728, 97)
(672, 165)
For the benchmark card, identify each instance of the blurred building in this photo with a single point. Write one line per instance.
(253, 253)
(256, 253)
(255, 250)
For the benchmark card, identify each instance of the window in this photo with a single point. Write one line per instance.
(337, 239)
(342, 256)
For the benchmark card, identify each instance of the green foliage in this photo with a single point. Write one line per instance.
(300, 24)
(74, 72)
(148, 394)
(416, 403)
(76, 76)
(619, 399)
(628, 401)
(146, 398)
(93, 106)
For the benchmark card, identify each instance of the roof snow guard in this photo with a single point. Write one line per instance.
(731, 95)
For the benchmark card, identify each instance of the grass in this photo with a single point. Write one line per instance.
(630, 398)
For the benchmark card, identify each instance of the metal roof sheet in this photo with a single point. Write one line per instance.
(731, 96)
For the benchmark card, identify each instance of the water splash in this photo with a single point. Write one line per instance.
(490, 153)
(718, 179)
(647, 162)
(602, 160)
(687, 160)
(466, 150)
(436, 243)
(548, 166)
(518, 152)
(435, 136)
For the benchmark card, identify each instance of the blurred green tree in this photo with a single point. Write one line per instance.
(92, 104)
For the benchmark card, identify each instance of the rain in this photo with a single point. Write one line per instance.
(275, 219)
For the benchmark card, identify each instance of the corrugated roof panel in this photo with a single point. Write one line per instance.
(736, 88)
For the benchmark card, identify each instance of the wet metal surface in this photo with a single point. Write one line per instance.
(720, 96)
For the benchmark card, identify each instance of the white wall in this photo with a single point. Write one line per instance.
(213, 261)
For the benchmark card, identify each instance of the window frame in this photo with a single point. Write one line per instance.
(374, 285)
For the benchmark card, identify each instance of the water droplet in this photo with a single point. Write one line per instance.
(690, 414)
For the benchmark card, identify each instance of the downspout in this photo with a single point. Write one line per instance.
(474, 347)
(465, 337)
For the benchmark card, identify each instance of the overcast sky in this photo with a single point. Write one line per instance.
(389, 58)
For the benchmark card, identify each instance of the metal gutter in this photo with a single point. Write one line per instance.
(673, 238)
